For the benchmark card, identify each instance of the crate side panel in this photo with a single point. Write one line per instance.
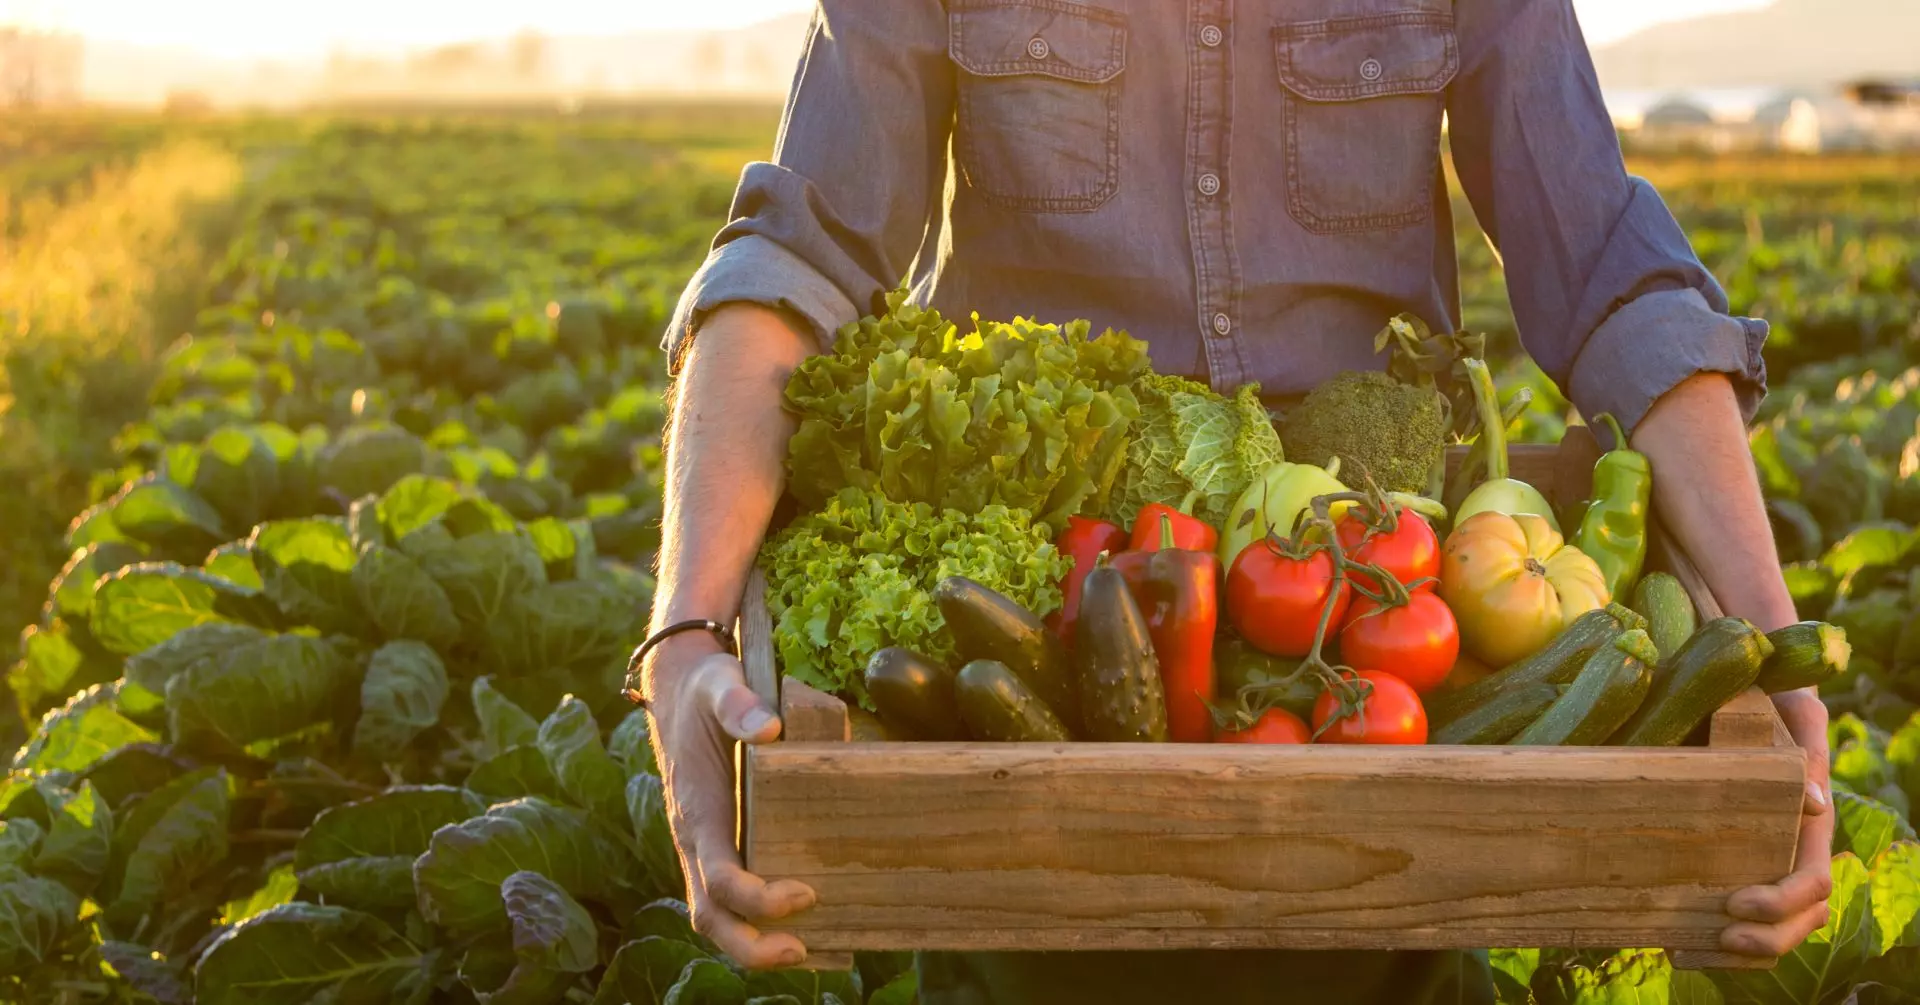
(959, 837)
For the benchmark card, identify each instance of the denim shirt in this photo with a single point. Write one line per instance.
(1252, 186)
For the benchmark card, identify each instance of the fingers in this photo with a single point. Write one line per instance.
(745, 944)
(1786, 900)
(1749, 938)
(726, 896)
(749, 896)
(1776, 918)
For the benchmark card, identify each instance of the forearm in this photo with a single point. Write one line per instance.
(726, 449)
(1707, 495)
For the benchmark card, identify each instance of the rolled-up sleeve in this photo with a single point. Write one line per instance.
(1607, 292)
(838, 214)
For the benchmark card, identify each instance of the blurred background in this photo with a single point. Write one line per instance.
(258, 261)
(173, 168)
(367, 168)
(382, 173)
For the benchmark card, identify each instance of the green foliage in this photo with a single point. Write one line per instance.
(858, 576)
(449, 367)
(1023, 415)
(1193, 449)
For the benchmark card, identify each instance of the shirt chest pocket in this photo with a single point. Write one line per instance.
(1037, 127)
(1362, 100)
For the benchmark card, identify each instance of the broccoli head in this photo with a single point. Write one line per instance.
(1392, 431)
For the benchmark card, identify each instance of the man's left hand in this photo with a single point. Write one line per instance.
(1774, 919)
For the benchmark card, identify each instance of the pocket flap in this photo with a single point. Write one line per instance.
(1054, 38)
(1345, 59)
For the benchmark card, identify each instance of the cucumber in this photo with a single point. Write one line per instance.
(1720, 661)
(1671, 619)
(1558, 663)
(997, 705)
(1609, 688)
(988, 626)
(1498, 719)
(1807, 654)
(1123, 698)
(914, 695)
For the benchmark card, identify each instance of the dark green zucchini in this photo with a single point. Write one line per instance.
(986, 625)
(1500, 717)
(1608, 689)
(914, 695)
(1121, 694)
(1670, 614)
(997, 705)
(1721, 660)
(1807, 654)
(1558, 663)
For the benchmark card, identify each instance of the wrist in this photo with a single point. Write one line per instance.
(667, 662)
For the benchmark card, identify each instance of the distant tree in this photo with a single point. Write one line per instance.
(709, 59)
(448, 62)
(528, 53)
(38, 67)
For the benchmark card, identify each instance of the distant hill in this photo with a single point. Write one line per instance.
(1793, 43)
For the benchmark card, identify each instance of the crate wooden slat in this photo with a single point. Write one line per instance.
(1134, 846)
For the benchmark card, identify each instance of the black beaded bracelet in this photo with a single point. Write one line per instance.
(720, 631)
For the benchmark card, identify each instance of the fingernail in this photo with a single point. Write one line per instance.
(1815, 793)
(791, 958)
(756, 720)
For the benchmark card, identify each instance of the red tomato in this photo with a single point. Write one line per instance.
(1277, 726)
(1274, 602)
(1418, 642)
(1392, 714)
(1411, 552)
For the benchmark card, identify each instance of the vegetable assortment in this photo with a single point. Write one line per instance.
(1229, 590)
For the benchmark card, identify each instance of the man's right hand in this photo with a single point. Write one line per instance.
(701, 704)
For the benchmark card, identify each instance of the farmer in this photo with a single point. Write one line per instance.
(1254, 188)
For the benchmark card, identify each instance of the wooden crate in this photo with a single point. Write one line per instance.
(992, 846)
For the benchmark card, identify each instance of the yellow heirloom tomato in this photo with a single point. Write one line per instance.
(1514, 583)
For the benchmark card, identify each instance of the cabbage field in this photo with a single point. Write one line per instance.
(322, 702)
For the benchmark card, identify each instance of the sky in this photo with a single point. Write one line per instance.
(250, 29)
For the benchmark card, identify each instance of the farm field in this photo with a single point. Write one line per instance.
(323, 608)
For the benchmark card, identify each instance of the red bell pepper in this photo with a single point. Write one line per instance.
(1189, 533)
(1083, 541)
(1177, 592)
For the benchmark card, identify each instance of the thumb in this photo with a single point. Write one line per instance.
(741, 712)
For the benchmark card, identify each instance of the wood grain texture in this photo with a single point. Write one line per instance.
(1033, 846)
(808, 715)
(1665, 553)
(1749, 720)
(755, 634)
(1132, 846)
(1715, 959)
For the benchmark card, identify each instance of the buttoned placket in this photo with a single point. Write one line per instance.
(1216, 265)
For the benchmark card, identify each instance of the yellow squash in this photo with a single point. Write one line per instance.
(1513, 584)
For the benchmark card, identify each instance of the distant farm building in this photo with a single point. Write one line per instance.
(1872, 116)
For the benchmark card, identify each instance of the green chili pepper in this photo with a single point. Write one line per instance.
(1613, 529)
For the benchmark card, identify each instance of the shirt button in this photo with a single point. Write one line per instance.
(1369, 70)
(1038, 48)
(1209, 184)
(1210, 36)
(1221, 324)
